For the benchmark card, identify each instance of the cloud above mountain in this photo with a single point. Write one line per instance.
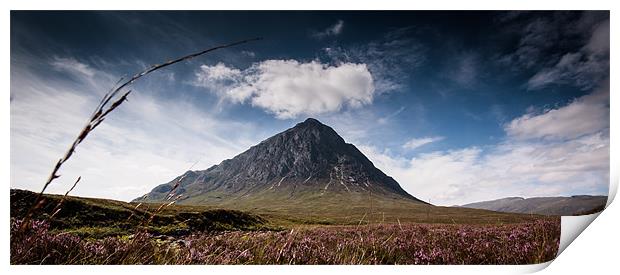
(289, 88)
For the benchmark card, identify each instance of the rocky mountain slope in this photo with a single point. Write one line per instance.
(309, 162)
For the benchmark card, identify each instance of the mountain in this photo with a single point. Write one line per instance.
(304, 165)
(564, 206)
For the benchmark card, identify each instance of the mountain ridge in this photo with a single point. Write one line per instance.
(564, 206)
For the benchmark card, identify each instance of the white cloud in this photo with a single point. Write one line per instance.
(418, 142)
(288, 88)
(564, 151)
(146, 141)
(514, 169)
(585, 115)
(221, 79)
(73, 66)
(332, 30)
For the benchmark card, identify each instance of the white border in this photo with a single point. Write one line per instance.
(311, 5)
(570, 260)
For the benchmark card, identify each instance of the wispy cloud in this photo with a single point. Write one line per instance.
(289, 88)
(465, 72)
(147, 141)
(536, 37)
(72, 66)
(540, 48)
(249, 53)
(385, 119)
(332, 30)
(415, 143)
(583, 68)
(390, 58)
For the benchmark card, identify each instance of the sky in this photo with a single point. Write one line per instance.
(458, 107)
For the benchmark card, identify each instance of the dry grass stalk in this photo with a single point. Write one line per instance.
(57, 208)
(170, 196)
(109, 103)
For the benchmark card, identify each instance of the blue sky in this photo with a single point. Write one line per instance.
(456, 106)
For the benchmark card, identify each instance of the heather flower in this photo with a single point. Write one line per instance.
(521, 243)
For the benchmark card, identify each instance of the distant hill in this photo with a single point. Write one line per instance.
(564, 206)
(308, 164)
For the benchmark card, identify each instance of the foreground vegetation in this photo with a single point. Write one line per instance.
(522, 243)
(98, 231)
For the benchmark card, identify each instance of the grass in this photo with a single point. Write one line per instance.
(338, 209)
(348, 209)
(98, 231)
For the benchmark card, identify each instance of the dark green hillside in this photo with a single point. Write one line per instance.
(90, 216)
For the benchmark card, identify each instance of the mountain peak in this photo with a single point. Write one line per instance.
(310, 158)
(310, 122)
